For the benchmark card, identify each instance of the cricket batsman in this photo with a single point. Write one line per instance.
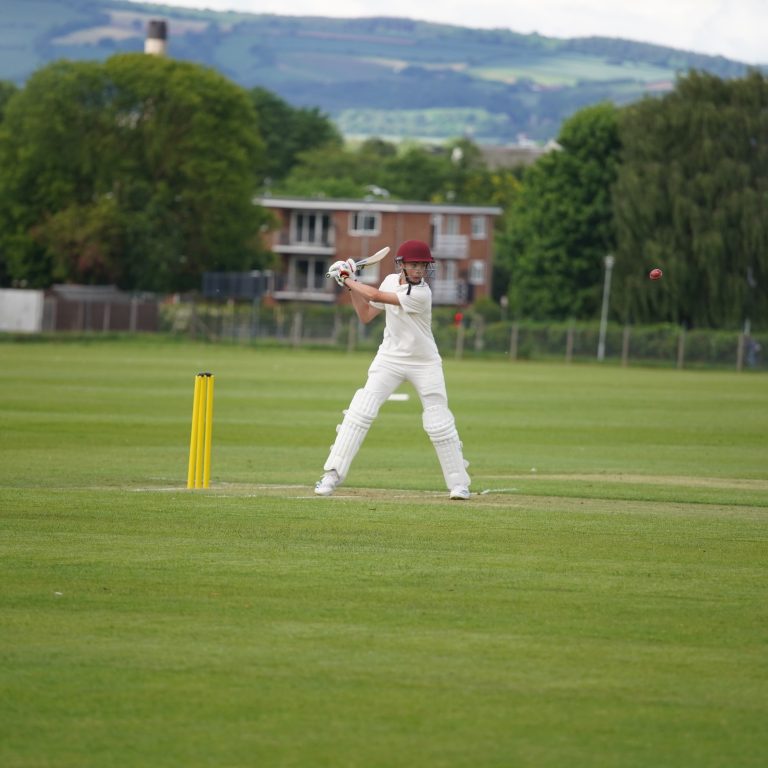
(407, 353)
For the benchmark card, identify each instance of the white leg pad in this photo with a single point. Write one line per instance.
(351, 432)
(440, 425)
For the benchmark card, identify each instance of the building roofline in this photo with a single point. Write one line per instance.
(385, 206)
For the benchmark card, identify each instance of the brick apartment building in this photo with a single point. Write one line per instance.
(313, 233)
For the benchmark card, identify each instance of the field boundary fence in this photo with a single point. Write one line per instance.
(472, 335)
(459, 333)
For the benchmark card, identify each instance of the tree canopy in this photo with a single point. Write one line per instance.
(454, 172)
(560, 226)
(288, 130)
(139, 171)
(691, 198)
(7, 90)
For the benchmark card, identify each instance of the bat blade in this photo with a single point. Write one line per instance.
(374, 259)
(368, 260)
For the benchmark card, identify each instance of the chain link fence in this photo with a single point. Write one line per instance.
(469, 334)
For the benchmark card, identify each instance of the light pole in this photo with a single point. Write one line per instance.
(609, 262)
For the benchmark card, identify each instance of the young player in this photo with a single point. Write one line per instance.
(407, 353)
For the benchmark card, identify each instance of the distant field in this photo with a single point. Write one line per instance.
(600, 601)
(569, 70)
(435, 123)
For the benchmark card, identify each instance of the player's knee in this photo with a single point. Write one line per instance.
(363, 409)
(439, 423)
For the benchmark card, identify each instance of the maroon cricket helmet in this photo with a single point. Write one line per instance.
(414, 251)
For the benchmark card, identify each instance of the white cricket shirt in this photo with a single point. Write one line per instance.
(408, 328)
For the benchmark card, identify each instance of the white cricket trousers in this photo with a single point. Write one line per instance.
(384, 377)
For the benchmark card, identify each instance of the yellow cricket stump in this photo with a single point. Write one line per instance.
(199, 469)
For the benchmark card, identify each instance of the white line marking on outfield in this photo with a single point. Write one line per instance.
(248, 491)
(499, 490)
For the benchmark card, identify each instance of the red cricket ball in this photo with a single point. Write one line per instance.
(655, 274)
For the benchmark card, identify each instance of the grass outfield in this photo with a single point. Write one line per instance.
(602, 600)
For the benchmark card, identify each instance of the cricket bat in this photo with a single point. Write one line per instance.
(368, 260)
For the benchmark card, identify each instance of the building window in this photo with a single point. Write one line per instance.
(479, 231)
(364, 223)
(311, 228)
(309, 274)
(452, 225)
(477, 272)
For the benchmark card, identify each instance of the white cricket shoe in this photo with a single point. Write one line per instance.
(460, 492)
(326, 485)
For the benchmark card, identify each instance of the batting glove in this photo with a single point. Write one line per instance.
(346, 270)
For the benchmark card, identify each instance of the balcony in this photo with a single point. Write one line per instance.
(454, 247)
(322, 245)
(448, 292)
(288, 289)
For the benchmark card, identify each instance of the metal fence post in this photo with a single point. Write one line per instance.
(459, 341)
(513, 339)
(681, 347)
(569, 343)
(625, 346)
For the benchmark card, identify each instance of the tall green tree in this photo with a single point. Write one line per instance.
(288, 131)
(416, 173)
(330, 171)
(7, 90)
(560, 226)
(139, 171)
(691, 198)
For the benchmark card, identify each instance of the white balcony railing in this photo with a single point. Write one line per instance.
(451, 247)
(289, 288)
(449, 292)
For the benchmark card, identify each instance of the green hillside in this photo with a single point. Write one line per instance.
(373, 76)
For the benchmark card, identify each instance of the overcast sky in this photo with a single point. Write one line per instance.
(737, 29)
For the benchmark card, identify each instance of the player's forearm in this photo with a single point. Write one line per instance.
(361, 290)
(364, 310)
(369, 293)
